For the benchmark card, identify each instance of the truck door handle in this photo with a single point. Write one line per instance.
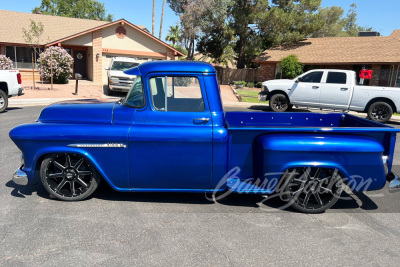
(199, 120)
(344, 89)
(315, 87)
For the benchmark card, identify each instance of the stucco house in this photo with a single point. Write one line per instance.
(379, 53)
(92, 43)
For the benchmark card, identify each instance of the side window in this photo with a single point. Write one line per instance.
(336, 77)
(182, 94)
(313, 77)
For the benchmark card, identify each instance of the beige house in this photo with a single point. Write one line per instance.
(92, 43)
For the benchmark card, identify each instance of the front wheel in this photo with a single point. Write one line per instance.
(69, 177)
(312, 189)
(380, 112)
(279, 103)
(3, 101)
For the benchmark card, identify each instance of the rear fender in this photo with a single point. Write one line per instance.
(358, 158)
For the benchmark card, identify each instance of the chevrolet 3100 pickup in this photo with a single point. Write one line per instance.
(171, 134)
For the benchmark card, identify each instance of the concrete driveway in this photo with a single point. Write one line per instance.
(127, 229)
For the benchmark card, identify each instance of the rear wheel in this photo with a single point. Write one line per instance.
(380, 112)
(3, 101)
(279, 103)
(311, 189)
(69, 176)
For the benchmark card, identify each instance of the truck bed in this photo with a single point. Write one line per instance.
(246, 126)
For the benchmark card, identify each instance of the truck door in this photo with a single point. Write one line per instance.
(171, 140)
(336, 90)
(307, 90)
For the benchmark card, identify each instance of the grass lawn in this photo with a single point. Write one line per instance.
(250, 96)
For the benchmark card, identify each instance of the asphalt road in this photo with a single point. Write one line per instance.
(126, 229)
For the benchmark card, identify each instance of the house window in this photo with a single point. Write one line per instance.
(397, 84)
(22, 56)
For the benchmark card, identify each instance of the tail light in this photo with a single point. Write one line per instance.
(19, 78)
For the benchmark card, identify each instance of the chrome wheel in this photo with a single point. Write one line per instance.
(69, 176)
(312, 189)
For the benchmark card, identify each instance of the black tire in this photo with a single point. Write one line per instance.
(289, 107)
(279, 103)
(69, 177)
(3, 101)
(380, 112)
(311, 189)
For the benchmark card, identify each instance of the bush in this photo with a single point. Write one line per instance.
(240, 83)
(62, 64)
(259, 85)
(250, 84)
(5, 63)
(291, 67)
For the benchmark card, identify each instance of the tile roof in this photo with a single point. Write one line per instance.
(54, 27)
(339, 50)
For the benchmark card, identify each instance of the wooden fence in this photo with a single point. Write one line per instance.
(228, 76)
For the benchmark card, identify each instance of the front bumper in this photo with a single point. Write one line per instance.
(262, 96)
(119, 88)
(20, 177)
(394, 185)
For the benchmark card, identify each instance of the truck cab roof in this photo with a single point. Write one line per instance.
(170, 66)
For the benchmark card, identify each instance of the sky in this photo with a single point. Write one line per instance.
(381, 15)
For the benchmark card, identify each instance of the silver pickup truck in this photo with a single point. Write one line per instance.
(331, 89)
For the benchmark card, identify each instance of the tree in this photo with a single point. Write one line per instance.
(291, 67)
(84, 9)
(32, 37)
(196, 17)
(288, 21)
(154, 16)
(333, 22)
(59, 60)
(162, 19)
(351, 28)
(174, 34)
(242, 15)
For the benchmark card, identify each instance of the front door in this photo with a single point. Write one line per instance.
(171, 139)
(307, 90)
(80, 62)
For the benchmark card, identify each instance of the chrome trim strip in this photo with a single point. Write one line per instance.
(108, 145)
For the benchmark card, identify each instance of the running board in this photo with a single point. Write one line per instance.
(246, 187)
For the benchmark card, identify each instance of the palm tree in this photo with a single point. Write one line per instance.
(174, 34)
(162, 18)
(154, 16)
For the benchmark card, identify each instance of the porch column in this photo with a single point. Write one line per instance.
(97, 62)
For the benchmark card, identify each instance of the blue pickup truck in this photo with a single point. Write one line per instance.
(171, 134)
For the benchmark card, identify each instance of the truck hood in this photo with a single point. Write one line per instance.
(118, 73)
(278, 82)
(79, 111)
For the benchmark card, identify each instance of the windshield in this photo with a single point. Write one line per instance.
(135, 97)
(118, 65)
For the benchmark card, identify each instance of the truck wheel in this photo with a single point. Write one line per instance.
(279, 103)
(311, 189)
(380, 112)
(3, 101)
(69, 177)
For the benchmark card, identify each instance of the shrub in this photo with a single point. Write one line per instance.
(5, 63)
(240, 83)
(291, 67)
(62, 64)
(259, 85)
(250, 84)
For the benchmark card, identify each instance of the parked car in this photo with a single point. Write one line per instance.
(331, 89)
(117, 79)
(171, 134)
(10, 85)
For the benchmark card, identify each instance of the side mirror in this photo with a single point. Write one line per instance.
(107, 68)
